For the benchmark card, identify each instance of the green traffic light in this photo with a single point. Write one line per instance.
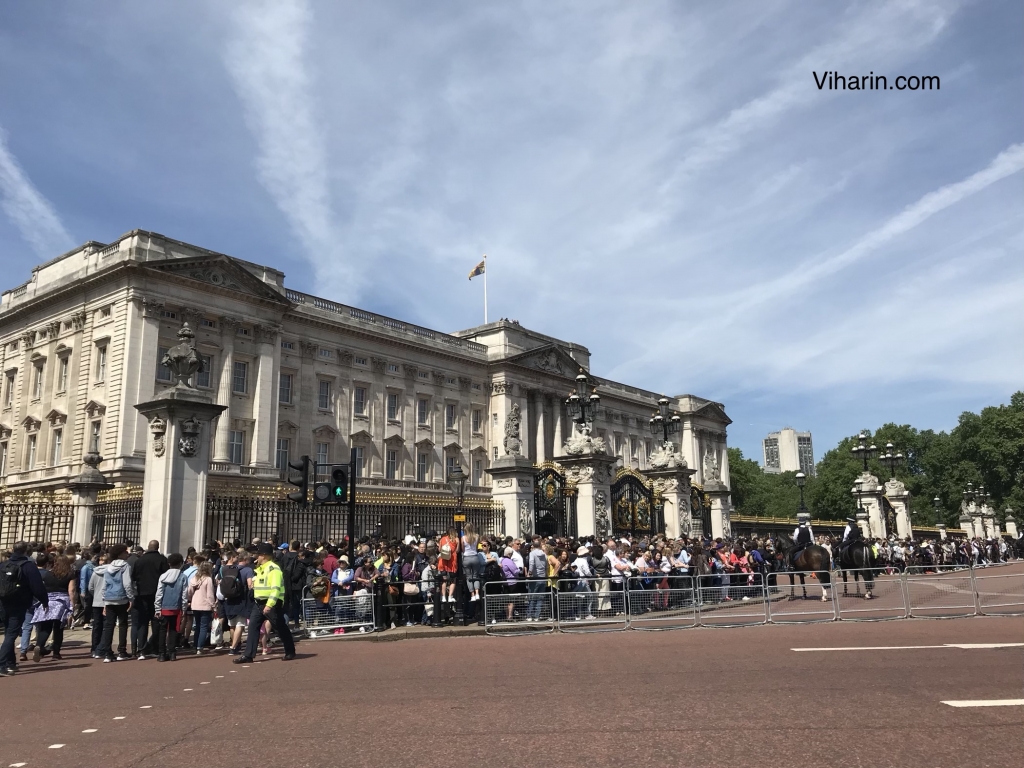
(338, 491)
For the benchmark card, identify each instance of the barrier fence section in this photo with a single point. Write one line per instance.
(665, 602)
(939, 592)
(590, 605)
(526, 607)
(806, 602)
(869, 595)
(344, 612)
(731, 600)
(999, 594)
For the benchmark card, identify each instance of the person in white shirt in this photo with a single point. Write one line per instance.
(581, 567)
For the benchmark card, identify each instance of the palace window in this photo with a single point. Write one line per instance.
(390, 463)
(30, 461)
(287, 345)
(359, 401)
(495, 453)
(478, 472)
(62, 373)
(476, 422)
(236, 447)
(37, 381)
(240, 377)
(284, 392)
(58, 437)
(360, 361)
(168, 314)
(283, 448)
(94, 437)
(101, 362)
(163, 373)
(324, 395)
(202, 378)
(9, 388)
(105, 312)
(392, 368)
(421, 466)
(325, 353)
(451, 462)
(423, 375)
(393, 414)
(422, 409)
(360, 463)
(3, 459)
(208, 323)
(450, 415)
(323, 453)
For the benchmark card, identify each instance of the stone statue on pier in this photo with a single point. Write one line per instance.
(513, 425)
(183, 359)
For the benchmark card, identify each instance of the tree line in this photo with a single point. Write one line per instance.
(986, 449)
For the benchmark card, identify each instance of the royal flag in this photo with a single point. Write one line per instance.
(479, 269)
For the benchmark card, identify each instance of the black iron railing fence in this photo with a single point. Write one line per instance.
(41, 521)
(118, 520)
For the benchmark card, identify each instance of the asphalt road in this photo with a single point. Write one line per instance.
(706, 697)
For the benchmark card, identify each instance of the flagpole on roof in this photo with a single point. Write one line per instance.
(485, 289)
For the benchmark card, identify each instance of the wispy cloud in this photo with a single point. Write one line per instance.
(31, 213)
(267, 58)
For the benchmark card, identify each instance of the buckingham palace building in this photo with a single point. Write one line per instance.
(81, 343)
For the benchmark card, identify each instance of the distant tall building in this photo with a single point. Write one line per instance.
(788, 451)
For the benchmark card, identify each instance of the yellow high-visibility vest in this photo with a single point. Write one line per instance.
(268, 583)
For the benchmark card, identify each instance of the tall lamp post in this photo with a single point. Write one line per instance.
(891, 461)
(801, 480)
(662, 424)
(937, 503)
(863, 451)
(457, 482)
(582, 409)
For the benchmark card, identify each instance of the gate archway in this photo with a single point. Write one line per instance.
(633, 507)
(554, 504)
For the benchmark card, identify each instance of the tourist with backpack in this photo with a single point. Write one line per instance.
(236, 587)
(118, 594)
(20, 582)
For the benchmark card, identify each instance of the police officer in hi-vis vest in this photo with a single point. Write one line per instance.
(268, 596)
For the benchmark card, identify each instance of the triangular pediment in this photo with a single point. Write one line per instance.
(550, 358)
(219, 272)
(56, 417)
(426, 443)
(94, 408)
(452, 446)
(394, 440)
(325, 430)
(287, 427)
(713, 411)
(361, 436)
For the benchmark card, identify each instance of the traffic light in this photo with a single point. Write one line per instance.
(334, 491)
(302, 482)
(339, 483)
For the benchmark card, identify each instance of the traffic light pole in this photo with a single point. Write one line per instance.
(352, 510)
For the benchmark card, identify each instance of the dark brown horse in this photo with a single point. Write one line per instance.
(812, 558)
(859, 558)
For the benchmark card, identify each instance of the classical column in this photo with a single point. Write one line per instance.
(559, 417)
(222, 439)
(265, 426)
(541, 442)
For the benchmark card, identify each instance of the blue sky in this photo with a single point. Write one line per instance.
(660, 181)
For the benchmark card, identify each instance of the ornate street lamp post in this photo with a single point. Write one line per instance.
(937, 503)
(863, 451)
(582, 408)
(801, 480)
(457, 482)
(891, 461)
(662, 424)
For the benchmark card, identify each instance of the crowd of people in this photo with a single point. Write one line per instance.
(245, 599)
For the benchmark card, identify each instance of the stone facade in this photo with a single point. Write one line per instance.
(81, 344)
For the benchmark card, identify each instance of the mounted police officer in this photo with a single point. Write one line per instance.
(803, 537)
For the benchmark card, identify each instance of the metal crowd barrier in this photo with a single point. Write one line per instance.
(888, 599)
(999, 594)
(669, 602)
(808, 603)
(728, 600)
(590, 605)
(939, 592)
(346, 612)
(524, 608)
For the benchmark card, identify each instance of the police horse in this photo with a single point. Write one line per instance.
(857, 556)
(812, 558)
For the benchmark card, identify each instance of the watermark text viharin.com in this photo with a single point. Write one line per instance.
(833, 81)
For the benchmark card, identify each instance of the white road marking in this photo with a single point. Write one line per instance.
(90, 730)
(187, 689)
(987, 703)
(961, 646)
(56, 746)
(205, 682)
(147, 706)
(17, 765)
(119, 718)
(220, 675)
